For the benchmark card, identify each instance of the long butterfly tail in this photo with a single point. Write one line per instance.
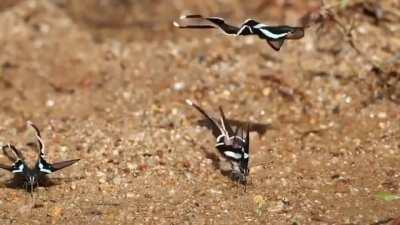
(38, 136)
(5, 167)
(200, 22)
(225, 124)
(193, 21)
(217, 129)
(17, 154)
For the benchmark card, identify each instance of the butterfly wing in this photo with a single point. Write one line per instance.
(63, 164)
(247, 141)
(230, 153)
(18, 166)
(224, 27)
(246, 154)
(296, 33)
(47, 168)
(276, 36)
(276, 44)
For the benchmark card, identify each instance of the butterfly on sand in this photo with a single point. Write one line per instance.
(231, 145)
(274, 35)
(21, 170)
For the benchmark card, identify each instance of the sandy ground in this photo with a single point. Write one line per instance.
(106, 81)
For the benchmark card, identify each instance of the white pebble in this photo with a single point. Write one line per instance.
(179, 86)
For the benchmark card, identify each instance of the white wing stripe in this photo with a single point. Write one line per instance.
(233, 155)
(19, 169)
(272, 35)
(260, 25)
(42, 169)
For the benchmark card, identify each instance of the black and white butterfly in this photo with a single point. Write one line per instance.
(274, 35)
(231, 145)
(21, 170)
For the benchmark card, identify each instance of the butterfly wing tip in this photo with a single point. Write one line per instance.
(189, 102)
(73, 161)
(176, 24)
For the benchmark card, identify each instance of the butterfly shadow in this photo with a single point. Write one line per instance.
(19, 182)
(216, 163)
(260, 128)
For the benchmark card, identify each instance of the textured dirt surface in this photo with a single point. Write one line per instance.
(106, 81)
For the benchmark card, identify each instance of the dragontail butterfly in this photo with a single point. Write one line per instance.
(21, 170)
(230, 144)
(274, 35)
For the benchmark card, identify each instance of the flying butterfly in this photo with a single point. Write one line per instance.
(231, 145)
(274, 35)
(21, 170)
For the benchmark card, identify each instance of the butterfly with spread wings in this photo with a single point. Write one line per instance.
(230, 144)
(32, 176)
(274, 35)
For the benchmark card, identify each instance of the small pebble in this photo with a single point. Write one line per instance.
(116, 180)
(382, 115)
(266, 91)
(131, 166)
(50, 103)
(102, 180)
(130, 195)
(213, 191)
(179, 86)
